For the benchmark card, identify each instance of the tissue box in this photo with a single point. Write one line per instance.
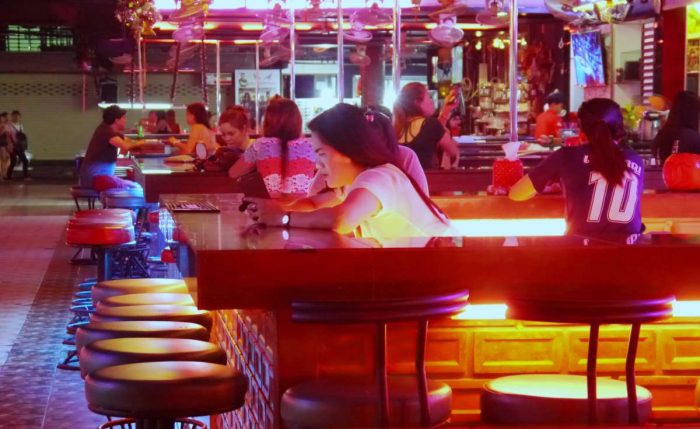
(506, 173)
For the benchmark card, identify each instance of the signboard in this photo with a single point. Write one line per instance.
(269, 85)
(226, 79)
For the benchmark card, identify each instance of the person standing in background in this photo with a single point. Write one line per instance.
(20, 144)
(549, 123)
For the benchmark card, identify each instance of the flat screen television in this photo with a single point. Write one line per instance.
(588, 58)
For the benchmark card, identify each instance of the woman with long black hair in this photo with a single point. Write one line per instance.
(283, 156)
(200, 131)
(681, 128)
(379, 199)
(602, 180)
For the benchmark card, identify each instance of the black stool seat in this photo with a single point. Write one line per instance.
(83, 192)
(131, 198)
(120, 351)
(352, 402)
(175, 313)
(95, 331)
(557, 399)
(566, 399)
(109, 288)
(383, 401)
(166, 390)
(147, 299)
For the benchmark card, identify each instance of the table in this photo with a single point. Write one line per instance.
(249, 276)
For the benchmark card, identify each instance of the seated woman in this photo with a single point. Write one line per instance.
(234, 126)
(284, 159)
(418, 130)
(681, 129)
(200, 131)
(162, 125)
(602, 180)
(379, 201)
(97, 168)
(406, 159)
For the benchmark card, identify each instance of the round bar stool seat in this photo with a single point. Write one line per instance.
(117, 220)
(383, 400)
(557, 399)
(120, 351)
(95, 331)
(175, 313)
(125, 213)
(82, 192)
(147, 299)
(352, 402)
(165, 390)
(99, 234)
(131, 198)
(568, 399)
(109, 288)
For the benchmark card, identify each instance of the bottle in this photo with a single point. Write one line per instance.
(139, 131)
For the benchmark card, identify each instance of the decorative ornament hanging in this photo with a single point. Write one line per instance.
(139, 16)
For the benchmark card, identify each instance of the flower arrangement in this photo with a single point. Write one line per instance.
(138, 15)
(631, 115)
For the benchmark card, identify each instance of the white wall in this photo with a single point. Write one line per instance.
(51, 106)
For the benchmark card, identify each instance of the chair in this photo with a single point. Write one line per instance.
(569, 399)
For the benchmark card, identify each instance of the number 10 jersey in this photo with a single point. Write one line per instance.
(594, 206)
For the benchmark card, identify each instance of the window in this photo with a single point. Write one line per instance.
(37, 39)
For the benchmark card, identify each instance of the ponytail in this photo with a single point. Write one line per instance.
(601, 121)
(606, 157)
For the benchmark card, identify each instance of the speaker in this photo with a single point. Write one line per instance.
(108, 91)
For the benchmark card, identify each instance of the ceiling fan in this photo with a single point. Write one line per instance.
(493, 15)
(446, 34)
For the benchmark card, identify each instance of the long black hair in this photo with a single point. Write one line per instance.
(199, 111)
(283, 121)
(601, 121)
(685, 111)
(368, 140)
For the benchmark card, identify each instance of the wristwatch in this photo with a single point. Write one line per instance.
(286, 219)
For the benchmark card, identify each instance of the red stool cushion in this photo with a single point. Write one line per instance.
(99, 234)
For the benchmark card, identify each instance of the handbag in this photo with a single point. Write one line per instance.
(252, 185)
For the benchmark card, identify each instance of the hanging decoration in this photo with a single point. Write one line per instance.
(139, 16)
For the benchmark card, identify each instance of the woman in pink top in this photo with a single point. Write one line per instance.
(285, 160)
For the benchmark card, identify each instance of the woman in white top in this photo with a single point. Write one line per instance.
(380, 200)
(200, 131)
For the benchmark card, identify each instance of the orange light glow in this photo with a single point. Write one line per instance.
(167, 26)
(509, 227)
(251, 26)
(482, 312)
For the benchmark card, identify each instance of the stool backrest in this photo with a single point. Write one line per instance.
(592, 311)
(380, 310)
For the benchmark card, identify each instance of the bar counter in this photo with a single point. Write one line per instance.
(250, 275)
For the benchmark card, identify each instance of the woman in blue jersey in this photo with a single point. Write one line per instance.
(602, 180)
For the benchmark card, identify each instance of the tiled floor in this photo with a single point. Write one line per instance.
(36, 282)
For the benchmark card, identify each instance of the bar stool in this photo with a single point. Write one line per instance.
(174, 313)
(146, 299)
(161, 394)
(109, 288)
(100, 237)
(138, 329)
(569, 399)
(383, 400)
(131, 198)
(82, 193)
(119, 351)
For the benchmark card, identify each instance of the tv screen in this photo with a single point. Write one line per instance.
(588, 58)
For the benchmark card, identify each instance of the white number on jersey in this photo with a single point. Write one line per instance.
(622, 203)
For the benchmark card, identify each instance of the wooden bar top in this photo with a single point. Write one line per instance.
(228, 263)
